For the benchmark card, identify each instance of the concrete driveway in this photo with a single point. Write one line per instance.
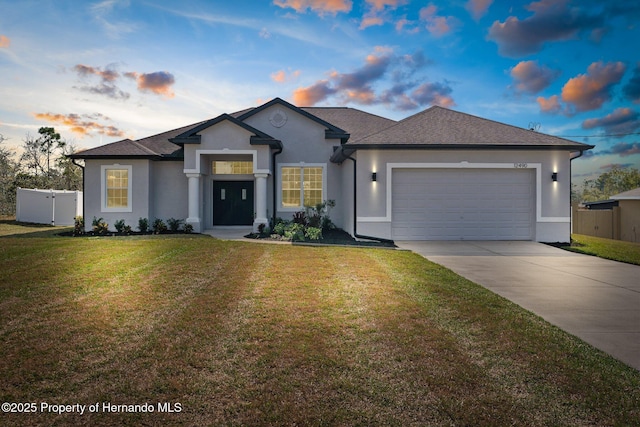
(594, 299)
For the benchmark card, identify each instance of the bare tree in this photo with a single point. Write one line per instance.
(8, 170)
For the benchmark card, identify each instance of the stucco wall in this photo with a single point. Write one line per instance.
(303, 141)
(140, 192)
(169, 193)
(553, 222)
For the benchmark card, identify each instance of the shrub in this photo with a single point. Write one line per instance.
(280, 227)
(294, 232)
(78, 225)
(174, 224)
(143, 225)
(99, 226)
(188, 228)
(313, 233)
(300, 218)
(119, 225)
(159, 226)
(126, 229)
(318, 215)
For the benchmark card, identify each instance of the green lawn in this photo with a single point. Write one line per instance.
(260, 334)
(617, 250)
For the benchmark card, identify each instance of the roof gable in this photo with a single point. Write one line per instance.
(331, 131)
(192, 136)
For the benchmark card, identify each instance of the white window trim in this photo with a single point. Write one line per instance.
(300, 165)
(103, 188)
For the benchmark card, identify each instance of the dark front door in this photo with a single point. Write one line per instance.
(232, 202)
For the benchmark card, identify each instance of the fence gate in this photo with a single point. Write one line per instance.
(54, 207)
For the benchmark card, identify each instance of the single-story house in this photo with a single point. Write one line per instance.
(436, 175)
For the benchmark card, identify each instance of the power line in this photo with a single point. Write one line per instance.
(599, 136)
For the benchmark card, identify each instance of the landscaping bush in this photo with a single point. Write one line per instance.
(188, 228)
(174, 224)
(119, 225)
(78, 225)
(143, 225)
(313, 233)
(99, 226)
(159, 226)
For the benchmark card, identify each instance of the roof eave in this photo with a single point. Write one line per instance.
(388, 146)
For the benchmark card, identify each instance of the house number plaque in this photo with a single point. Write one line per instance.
(520, 165)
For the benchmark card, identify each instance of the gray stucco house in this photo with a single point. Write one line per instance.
(436, 175)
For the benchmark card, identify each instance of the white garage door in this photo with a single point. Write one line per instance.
(469, 204)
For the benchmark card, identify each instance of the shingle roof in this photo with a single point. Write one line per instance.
(152, 146)
(434, 127)
(355, 122)
(628, 195)
(438, 126)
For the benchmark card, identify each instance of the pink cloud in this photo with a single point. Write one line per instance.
(436, 24)
(4, 41)
(320, 7)
(404, 93)
(81, 124)
(282, 77)
(531, 77)
(589, 91)
(620, 121)
(159, 82)
(549, 105)
(477, 8)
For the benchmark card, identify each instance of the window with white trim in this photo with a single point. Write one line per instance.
(116, 188)
(301, 186)
(224, 167)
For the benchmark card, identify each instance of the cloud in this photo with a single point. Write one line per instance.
(552, 20)
(321, 7)
(114, 30)
(159, 82)
(589, 91)
(621, 121)
(4, 41)
(107, 85)
(83, 124)
(624, 149)
(282, 77)
(585, 92)
(531, 77)
(549, 105)
(632, 88)
(376, 14)
(405, 92)
(477, 8)
(616, 165)
(436, 24)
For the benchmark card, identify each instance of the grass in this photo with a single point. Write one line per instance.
(617, 250)
(248, 334)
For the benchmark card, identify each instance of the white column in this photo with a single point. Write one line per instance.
(194, 202)
(261, 200)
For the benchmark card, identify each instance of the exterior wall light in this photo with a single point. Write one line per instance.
(554, 176)
(374, 177)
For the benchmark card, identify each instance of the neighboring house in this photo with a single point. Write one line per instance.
(436, 175)
(629, 203)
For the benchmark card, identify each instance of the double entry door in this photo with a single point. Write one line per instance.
(233, 203)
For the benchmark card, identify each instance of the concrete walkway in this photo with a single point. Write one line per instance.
(594, 299)
(231, 232)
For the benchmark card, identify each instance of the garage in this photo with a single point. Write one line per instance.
(463, 204)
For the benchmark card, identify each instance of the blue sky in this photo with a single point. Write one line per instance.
(106, 70)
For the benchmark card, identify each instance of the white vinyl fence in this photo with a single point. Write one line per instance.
(54, 207)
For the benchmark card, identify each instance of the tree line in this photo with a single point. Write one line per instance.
(43, 164)
(617, 180)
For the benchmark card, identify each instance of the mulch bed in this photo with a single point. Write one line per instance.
(334, 237)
